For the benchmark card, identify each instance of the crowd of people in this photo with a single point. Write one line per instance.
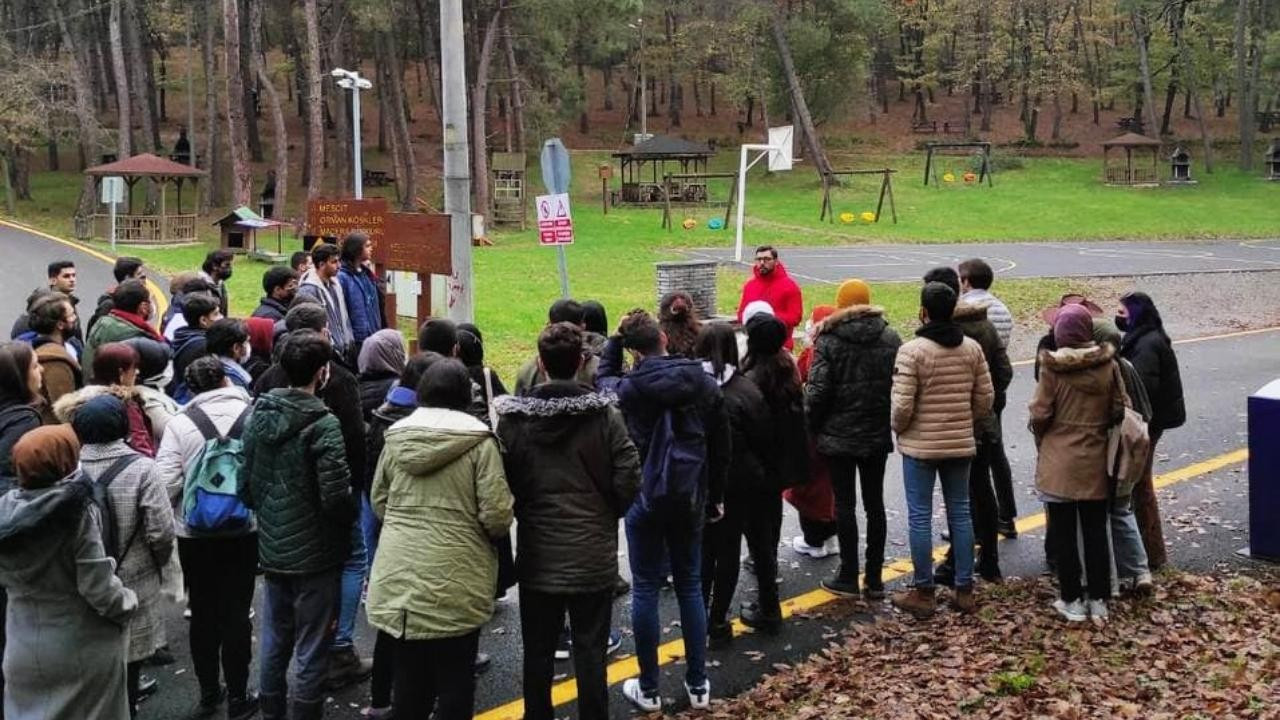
(146, 460)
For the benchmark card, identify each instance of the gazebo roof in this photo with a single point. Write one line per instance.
(1131, 139)
(146, 165)
(665, 146)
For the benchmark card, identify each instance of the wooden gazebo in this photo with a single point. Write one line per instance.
(143, 228)
(643, 167)
(1133, 171)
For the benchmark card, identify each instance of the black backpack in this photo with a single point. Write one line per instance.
(98, 488)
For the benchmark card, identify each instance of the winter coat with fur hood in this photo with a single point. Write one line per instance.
(573, 471)
(1079, 396)
(850, 382)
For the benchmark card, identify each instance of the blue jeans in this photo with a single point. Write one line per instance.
(681, 530)
(371, 528)
(918, 477)
(296, 613)
(353, 574)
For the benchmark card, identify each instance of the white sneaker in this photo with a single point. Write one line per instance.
(1074, 611)
(699, 698)
(803, 548)
(1098, 609)
(648, 703)
(832, 545)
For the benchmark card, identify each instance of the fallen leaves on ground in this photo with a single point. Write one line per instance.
(1202, 647)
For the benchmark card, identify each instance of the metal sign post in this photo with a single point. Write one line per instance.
(555, 175)
(112, 196)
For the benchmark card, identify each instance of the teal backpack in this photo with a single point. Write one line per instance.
(209, 500)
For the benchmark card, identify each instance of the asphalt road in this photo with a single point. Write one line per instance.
(910, 262)
(25, 268)
(1205, 517)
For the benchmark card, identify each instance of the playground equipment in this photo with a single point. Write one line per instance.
(886, 189)
(778, 150)
(677, 188)
(931, 170)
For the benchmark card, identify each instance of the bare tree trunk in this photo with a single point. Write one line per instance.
(212, 194)
(812, 141)
(342, 161)
(124, 142)
(280, 139)
(517, 93)
(1246, 89)
(141, 58)
(241, 177)
(400, 129)
(429, 44)
(584, 113)
(250, 50)
(479, 93)
(85, 113)
(315, 119)
(1141, 36)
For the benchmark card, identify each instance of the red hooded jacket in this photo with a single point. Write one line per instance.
(781, 292)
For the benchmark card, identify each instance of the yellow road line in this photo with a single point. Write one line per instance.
(1190, 340)
(161, 302)
(566, 691)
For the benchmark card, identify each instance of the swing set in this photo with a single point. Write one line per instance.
(886, 189)
(984, 171)
(692, 189)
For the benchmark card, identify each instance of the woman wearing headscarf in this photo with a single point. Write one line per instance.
(1149, 348)
(381, 361)
(769, 365)
(144, 525)
(67, 608)
(155, 371)
(1079, 396)
(116, 368)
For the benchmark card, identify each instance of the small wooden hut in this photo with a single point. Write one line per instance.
(1133, 171)
(642, 168)
(507, 171)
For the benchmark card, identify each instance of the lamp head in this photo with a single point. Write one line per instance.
(339, 72)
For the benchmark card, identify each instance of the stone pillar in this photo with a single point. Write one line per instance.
(696, 277)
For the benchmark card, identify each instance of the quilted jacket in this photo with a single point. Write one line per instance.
(941, 386)
(850, 381)
(298, 483)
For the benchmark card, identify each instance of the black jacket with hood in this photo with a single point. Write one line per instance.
(16, 420)
(850, 382)
(661, 383)
(573, 471)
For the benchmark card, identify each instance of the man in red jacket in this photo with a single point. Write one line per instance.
(772, 284)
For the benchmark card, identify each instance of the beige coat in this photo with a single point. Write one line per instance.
(938, 393)
(1079, 396)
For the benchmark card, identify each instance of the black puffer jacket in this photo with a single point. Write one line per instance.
(850, 382)
(297, 481)
(573, 471)
(752, 432)
(16, 420)
(972, 319)
(400, 403)
(1151, 353)
(373, 391)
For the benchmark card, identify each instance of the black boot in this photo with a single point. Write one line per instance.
(945, 575)
(988, 567)
(873, 588)
(719, 635)
(756, 617)
(842, 585)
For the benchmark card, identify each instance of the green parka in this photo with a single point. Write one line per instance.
(443, 499)
(296, 479)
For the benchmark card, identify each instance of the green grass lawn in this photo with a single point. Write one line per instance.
(613, 258)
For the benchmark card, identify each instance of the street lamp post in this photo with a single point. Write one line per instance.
(351, 80)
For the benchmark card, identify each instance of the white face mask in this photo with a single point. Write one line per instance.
(245, 354)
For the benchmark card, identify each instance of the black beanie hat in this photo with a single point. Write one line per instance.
(765, 335)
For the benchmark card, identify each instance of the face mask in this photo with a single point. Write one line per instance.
(287, 300)
(245, 354)
(1122, 322)
(226, 274)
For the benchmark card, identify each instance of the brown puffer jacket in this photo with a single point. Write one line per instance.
(941, 385)
(1079, 396)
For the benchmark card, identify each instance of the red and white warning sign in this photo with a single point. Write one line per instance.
(555, 223)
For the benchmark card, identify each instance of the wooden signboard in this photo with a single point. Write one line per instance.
(335, 218)
(407, 242)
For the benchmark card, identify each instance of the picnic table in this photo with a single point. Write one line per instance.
(1267, 118)
(377, 178)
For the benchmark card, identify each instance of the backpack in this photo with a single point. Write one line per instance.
(209, 499)
(676, 463)
(98, 494)
(1128, 445)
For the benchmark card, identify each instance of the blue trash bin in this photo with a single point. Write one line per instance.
(1264, 473)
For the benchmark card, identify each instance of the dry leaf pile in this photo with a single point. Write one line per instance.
(1203, 647)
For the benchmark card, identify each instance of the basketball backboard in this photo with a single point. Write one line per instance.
(780, 140)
